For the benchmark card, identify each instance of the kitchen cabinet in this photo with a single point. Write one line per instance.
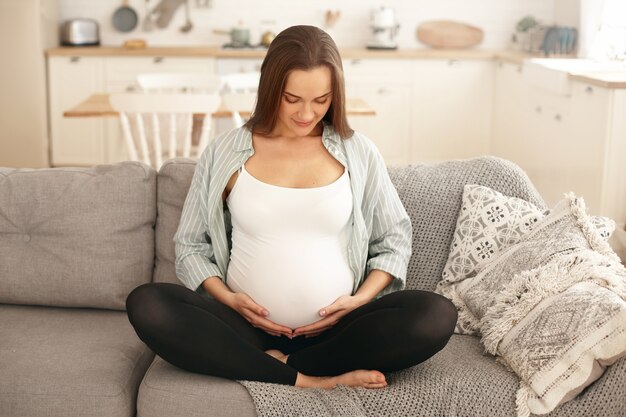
(451, 112)
(74, 141)
(565, 142)
(387, 87)
(509, 128)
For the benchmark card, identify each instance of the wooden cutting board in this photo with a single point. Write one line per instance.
(448, 34)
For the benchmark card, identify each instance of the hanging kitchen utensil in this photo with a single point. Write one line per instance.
(148, 24)
(165, 11)
(188, 25)
(125, 18)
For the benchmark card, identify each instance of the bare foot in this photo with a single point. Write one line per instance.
(358, 378)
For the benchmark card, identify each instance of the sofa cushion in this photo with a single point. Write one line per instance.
(167, 390)
(432, 196)
(174, 181)
(76, 237)
(69, 362)
(460, 380)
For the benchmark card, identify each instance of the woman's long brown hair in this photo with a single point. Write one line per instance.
(298, 48)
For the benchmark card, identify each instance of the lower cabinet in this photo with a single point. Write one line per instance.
(565, 142)
(74, 141)
(452, 107)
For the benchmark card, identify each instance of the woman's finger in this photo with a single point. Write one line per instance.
(319, 325)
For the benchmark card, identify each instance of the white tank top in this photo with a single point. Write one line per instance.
(289, 246)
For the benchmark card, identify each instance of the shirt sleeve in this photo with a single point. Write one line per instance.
(390, 242)
(195, 258)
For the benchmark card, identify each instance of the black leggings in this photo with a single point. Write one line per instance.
(202, 335)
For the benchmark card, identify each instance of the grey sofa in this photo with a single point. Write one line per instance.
(75, 242)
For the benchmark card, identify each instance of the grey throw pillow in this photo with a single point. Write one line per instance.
(552, 307)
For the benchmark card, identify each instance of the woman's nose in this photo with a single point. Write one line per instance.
(306, 112)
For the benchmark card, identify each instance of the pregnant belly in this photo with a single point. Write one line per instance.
(292, 287)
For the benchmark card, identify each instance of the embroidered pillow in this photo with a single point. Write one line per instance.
(490, 221)
(551, 307)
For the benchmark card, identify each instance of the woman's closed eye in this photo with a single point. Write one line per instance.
(294, 100)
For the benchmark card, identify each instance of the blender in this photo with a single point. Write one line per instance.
(384, 28)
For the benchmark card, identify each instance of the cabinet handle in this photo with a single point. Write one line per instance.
(557, 117)
(355, 62)
(158, 59)
(131, 89)
(589, 89)
(75, 59)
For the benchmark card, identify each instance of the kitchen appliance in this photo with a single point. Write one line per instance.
(384, 28)
(80, 32)
(239, 37)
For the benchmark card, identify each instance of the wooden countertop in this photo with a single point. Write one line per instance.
(615, 80)
(218, 52)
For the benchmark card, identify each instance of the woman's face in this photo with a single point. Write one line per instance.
(304, 102)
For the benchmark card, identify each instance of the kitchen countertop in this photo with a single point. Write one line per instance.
(349, 53)
(615, 80)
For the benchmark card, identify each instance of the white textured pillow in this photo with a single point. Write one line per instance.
(489, 222)
(551, 306)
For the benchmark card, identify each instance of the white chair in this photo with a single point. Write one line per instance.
(136, 106)
(179, 83)
(240, 91)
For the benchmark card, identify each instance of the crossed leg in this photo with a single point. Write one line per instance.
(204, 336)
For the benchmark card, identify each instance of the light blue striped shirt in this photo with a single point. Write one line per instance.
(381, 232)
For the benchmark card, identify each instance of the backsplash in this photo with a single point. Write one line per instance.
(497, 18)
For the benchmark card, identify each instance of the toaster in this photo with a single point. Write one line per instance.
(80, 32)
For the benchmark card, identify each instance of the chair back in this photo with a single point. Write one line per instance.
(240, 93)
(135, 108)
(180, 83)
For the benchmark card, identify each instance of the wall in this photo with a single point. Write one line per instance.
(495, 17)
(567, 12)
(26, 30)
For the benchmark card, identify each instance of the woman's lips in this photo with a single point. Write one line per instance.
(303, 124)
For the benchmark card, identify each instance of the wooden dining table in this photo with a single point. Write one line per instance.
(98, 105)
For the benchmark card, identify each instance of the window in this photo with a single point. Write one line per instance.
(603, 29)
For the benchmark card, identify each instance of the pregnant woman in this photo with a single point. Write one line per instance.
(293, 245)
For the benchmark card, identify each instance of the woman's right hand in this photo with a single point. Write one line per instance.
(256, 315)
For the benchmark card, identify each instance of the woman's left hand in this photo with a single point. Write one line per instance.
(331, 315)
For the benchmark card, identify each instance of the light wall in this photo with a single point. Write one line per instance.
(27, 28)
(496, 17)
